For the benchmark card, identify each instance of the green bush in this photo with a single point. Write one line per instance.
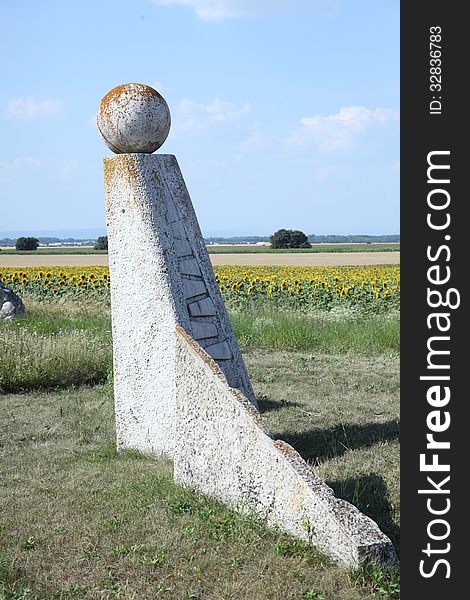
(101, 243)
(289, 238)
(27, 243)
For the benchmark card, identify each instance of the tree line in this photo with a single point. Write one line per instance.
(282, 238)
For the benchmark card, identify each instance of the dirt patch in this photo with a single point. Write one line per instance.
(302, 260)
(308, 259)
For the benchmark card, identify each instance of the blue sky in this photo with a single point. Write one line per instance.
(284, 113)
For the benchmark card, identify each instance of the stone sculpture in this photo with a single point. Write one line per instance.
(155, 246)
(181, 386)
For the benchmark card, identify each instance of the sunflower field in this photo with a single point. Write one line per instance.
(56, 282)
(374, 288)
(371, 287)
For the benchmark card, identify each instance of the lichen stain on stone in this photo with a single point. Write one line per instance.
(287, 450)
(115, 104)
(122, 168)
(109, 170)
(119, 93)
(126, 168)
(296, 460)
(299, 496)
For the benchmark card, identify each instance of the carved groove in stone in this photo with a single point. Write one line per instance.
(219, 351)
(202, 308)
(189, 266)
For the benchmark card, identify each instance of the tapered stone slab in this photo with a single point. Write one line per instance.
(224, 450)
(157, 258)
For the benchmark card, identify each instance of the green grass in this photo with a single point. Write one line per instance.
(237, 249)
(248, 249)
(335, 332)
(69, 343)
(79, 520)
(56, 250)
(53, 348)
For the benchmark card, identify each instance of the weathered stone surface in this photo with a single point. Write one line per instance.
(133, 117)
(202, 308)
(179, 232)
(224, 450)
(189, 266)
(10, 304)
(219, 351)
(201, 330)
(183, 248)
(193, 287)
(145, 196)
(171, 212)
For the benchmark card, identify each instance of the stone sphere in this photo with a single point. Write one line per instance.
(133, 118)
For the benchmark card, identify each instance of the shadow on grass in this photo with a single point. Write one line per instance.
(318, 445)
(267, 405)
(369, 493)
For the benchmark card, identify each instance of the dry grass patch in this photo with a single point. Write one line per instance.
(56, 346)
(79, 520)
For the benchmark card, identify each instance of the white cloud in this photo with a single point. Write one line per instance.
(30, 108)
(190, 116)
(337, 132)
(219, 10)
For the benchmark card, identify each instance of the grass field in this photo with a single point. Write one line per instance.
(78, 520)
(316, 248)
(226, 249)
(68, 250)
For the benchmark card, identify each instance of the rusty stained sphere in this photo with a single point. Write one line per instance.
(133, 118)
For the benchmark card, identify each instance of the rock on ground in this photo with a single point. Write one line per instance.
(10, 304)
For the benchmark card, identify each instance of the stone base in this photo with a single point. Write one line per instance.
(224, 450)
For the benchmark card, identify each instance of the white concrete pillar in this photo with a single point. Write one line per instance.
(161, 274)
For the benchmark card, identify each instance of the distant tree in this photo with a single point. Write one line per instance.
(27, 243)
(299, 239)
(289, 238)
(101, 243)
(280, 239)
